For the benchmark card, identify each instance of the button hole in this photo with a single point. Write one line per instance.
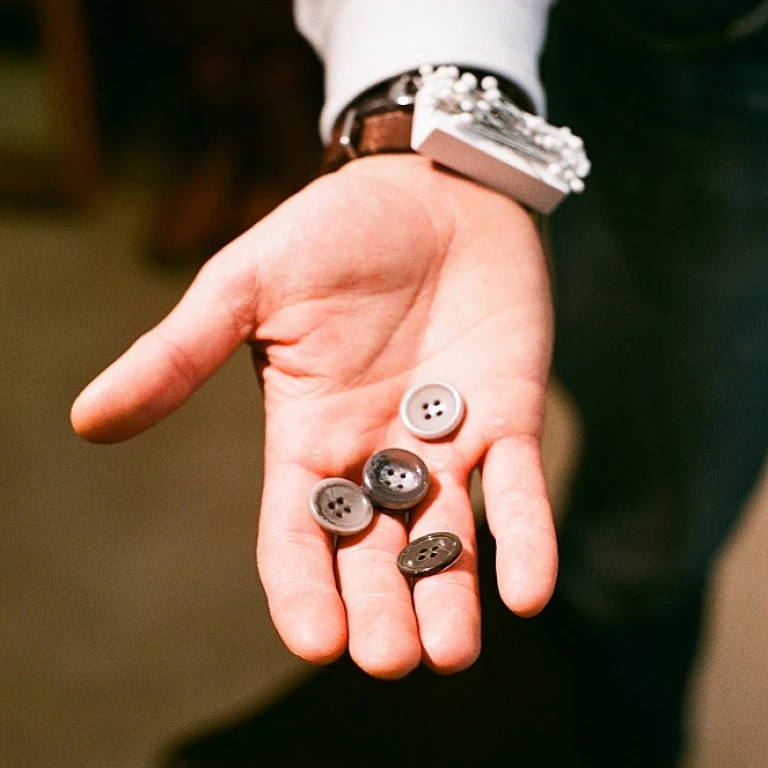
(437, 402)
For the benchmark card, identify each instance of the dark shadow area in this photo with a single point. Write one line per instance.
(231, 98)
(512, 707)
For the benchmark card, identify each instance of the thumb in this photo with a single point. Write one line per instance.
(167, 364)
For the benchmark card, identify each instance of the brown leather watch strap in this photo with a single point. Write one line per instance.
(375, 133)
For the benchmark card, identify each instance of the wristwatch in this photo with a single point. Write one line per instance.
(469, 122)
(380, 120)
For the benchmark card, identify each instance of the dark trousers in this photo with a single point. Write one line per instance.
(661, 284)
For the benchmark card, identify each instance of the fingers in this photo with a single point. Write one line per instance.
(167, 364)
(392, 630)
(447, 604)
(295, 560)
(383, 632)
(519, 516)
(388, 624)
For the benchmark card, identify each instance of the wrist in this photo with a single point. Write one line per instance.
(436, 189)
(378, 123)
(470, 123)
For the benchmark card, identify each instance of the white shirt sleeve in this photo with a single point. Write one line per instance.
(363, 42)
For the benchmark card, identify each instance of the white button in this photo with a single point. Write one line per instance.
(433, 410)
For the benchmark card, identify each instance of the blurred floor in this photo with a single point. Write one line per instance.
(131, 614)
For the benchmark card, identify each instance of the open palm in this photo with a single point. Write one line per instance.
(384, 275)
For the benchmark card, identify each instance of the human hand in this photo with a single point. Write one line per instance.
(384, 275)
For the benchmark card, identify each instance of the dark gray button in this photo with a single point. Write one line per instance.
(340, 506)
(395, 479)
(431, 411)
(430, 554)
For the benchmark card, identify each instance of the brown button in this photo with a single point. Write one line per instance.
(429, 554)
(395, 479)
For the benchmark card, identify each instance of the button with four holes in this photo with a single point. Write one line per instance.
(395, 479)
(340, 506)
(433, 410)
(429, 554)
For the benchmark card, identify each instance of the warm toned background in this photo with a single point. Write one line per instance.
(130, 613)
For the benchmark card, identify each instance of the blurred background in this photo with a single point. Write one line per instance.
(136, 138)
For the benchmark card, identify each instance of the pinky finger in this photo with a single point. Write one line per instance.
(520, 518)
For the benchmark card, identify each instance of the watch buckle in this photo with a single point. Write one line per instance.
(401, 95)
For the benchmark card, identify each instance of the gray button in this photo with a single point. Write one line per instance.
(395, 479)
(433, 410)
(340, 506)
(430, 554)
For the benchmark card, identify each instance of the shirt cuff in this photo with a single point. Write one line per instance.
(364, 43)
